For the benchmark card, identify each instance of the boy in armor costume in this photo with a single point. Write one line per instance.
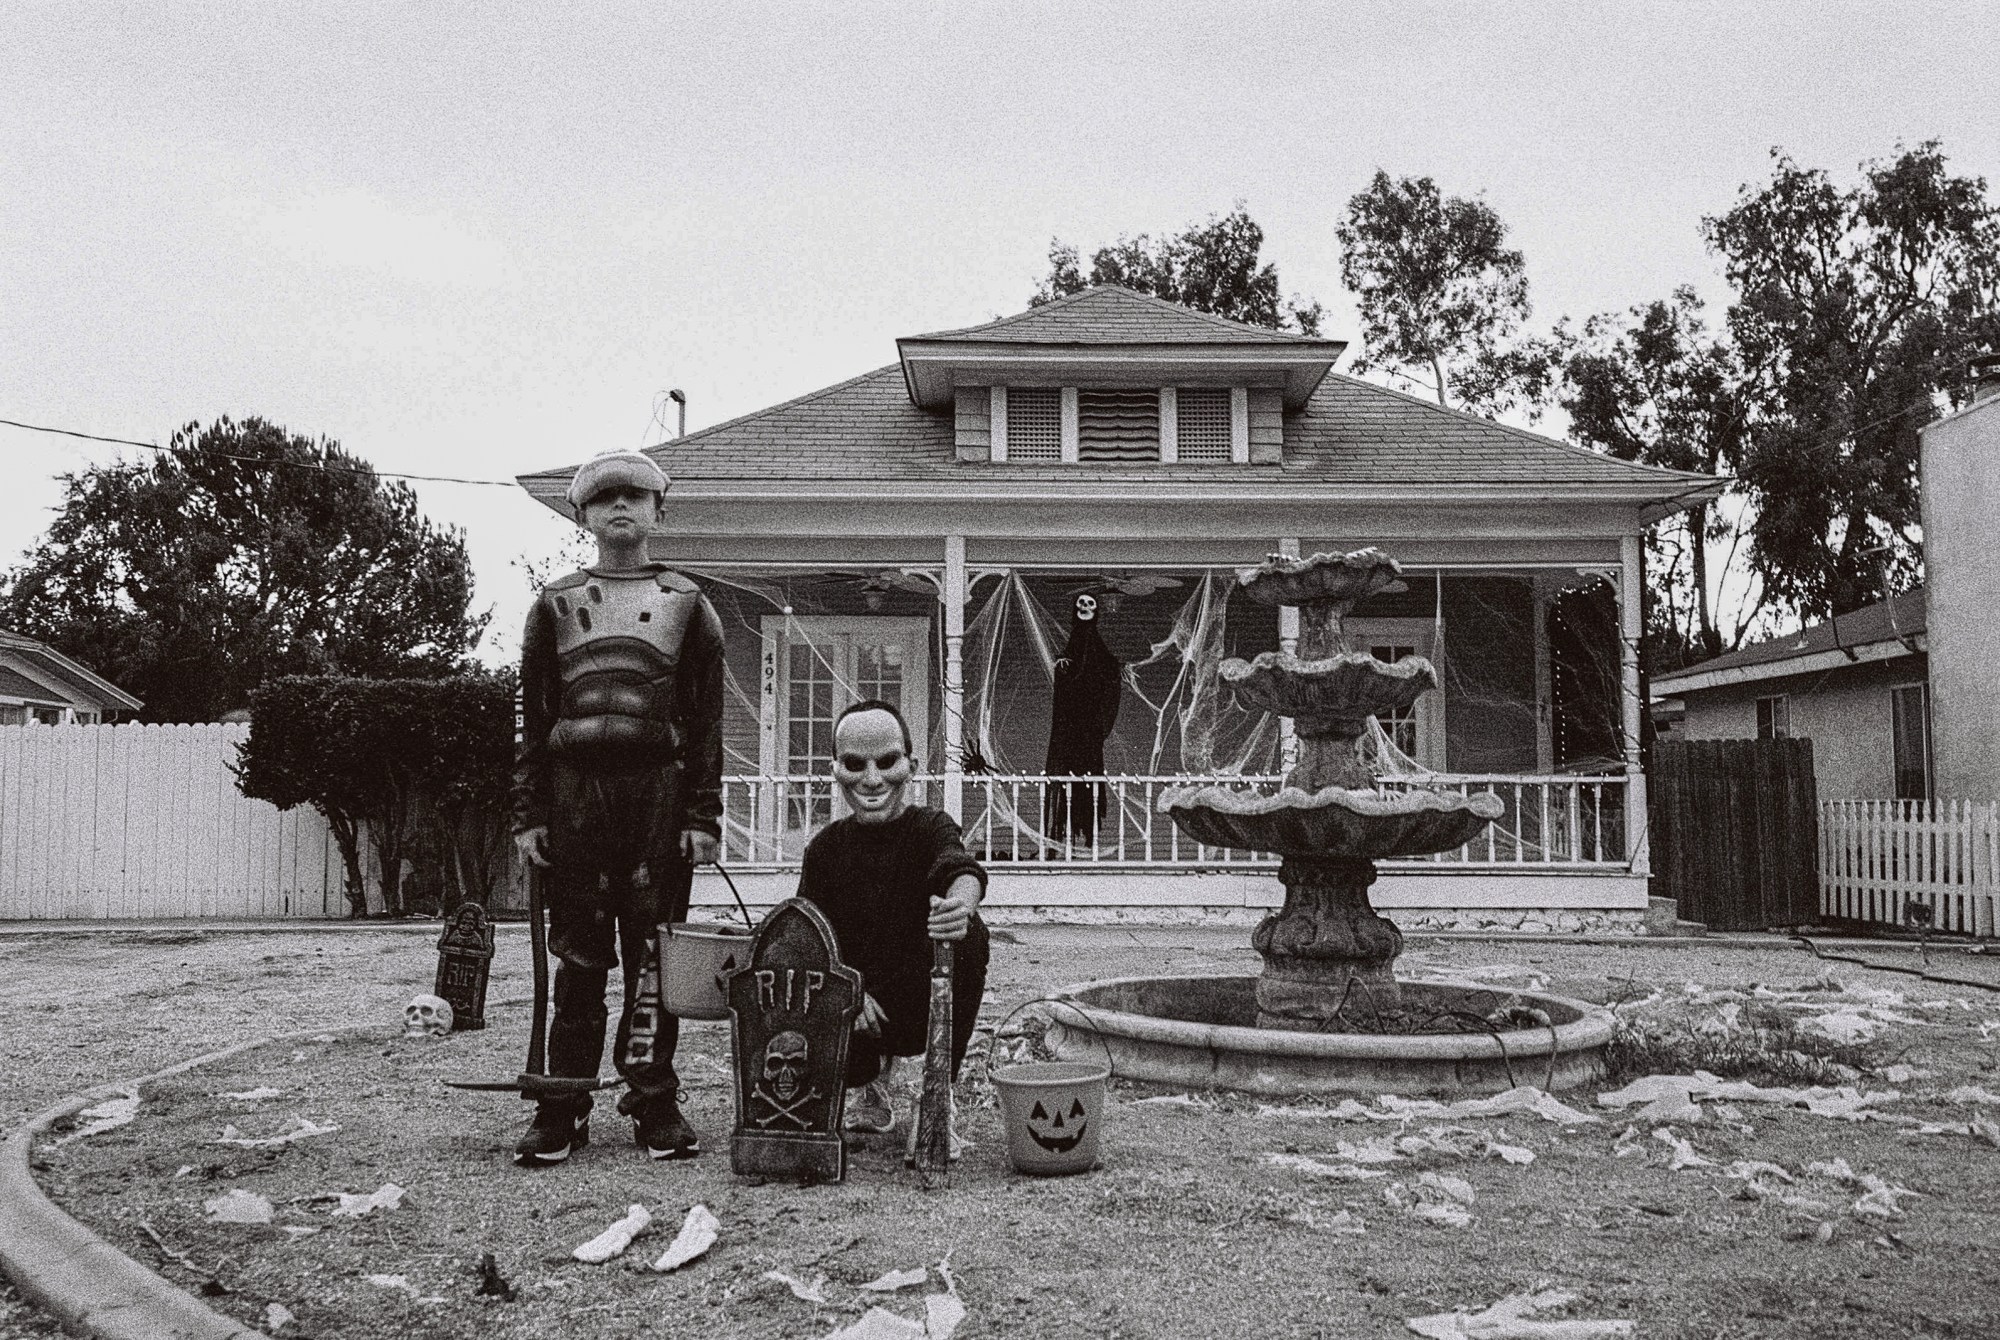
(618, 795)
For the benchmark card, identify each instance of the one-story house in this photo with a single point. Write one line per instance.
(920, 533)
(40, 684)
(1856, 685)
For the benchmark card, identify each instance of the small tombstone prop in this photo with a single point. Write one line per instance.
(465, 957)
(793, 1006)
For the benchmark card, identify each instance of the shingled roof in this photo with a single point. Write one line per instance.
(1900, 619)
(1348, 431)
(1111, 314)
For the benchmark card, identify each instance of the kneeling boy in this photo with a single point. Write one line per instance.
(891, 878)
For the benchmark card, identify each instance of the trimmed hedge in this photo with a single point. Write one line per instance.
(421, 766)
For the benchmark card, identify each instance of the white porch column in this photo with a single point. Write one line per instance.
(953, 596)
(1631, 627)
(1288, 642)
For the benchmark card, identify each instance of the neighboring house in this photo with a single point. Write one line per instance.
(40, 684)
(919, 533)
(1856, 686)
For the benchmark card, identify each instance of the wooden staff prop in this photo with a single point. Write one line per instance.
(930, 1153)
(535, 1081)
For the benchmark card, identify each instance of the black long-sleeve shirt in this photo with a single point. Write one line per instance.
(696, 711)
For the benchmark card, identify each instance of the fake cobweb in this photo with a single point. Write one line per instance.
(1176, 720)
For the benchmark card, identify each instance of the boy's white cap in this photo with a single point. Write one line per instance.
(615, 469)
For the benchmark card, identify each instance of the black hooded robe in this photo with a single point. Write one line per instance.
(1089, 683)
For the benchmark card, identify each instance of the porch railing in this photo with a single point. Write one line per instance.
(1033, 821)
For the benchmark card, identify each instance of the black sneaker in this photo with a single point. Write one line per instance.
(551, 1137)
(664, 1133)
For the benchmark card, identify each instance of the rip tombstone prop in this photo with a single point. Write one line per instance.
(465, 958)
(792, 1007)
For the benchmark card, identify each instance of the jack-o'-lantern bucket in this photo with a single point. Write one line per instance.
(695, 960)
(1053, 1112)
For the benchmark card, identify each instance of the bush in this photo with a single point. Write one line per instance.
(421, 766)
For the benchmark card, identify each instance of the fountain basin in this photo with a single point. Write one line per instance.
(1368, 825)
(1345, 689)
(1197, 1032)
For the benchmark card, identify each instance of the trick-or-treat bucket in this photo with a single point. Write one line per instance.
(1053, 1111)
(693, 961)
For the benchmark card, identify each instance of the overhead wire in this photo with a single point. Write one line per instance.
(321, 467)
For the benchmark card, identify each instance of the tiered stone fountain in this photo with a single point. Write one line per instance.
(1328, 1012)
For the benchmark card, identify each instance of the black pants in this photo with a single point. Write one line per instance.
(615, 873)
(905, 998)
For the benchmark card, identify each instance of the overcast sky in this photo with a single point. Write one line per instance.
(482, 239)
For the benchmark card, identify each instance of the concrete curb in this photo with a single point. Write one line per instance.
(88, 1285)
(63, 1268)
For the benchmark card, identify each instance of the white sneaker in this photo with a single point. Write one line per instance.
(869, 1111)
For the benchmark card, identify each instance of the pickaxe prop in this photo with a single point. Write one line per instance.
(535, 1082)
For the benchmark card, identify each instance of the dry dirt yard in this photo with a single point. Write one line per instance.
(1213, 1214)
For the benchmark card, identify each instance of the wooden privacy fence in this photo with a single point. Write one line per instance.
(1734, 831)
(1879, 856)
(146, 821)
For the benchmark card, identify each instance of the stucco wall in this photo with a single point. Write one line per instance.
(1961, 497)
(1846, 714)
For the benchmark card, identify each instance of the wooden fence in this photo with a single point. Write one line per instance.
(1879, 856)
(1734, 829)
(146, 821)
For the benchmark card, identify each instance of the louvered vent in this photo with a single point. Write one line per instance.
(1034, 423)
(1203, 423)
(1117, 425)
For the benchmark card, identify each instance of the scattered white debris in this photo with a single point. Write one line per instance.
(1389, 1107)
(697, 1235)
(1377, 1150)
(616, 1238)
(1669, 1110)
(298, 1230)
(1626, 1143)
(1437, 1212)
(1684, 1153)
(942, 1314)
(1972, 1093)
(1751, 1169)
(277, 1316)
(256, 1095)
(299, 1129)
(1510, 1319)
(1347, 1110)
(400, 1283)
(1169, 1100)
(1454, 1188)
(1986, 1129)
(1845, 1026)
(107, 1115)
(1339, 1172)
(388, 1196)
(184, 1170)
(1731, 1116)
(237, 1206)
(897, 1279)
(876, 1324)
(1516, 1154)
(806, 1292)
(1433, 1198)
(1903, 1074)
(1845, 1102)
(1880, 1201)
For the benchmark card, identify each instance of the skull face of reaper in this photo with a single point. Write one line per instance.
(1086, 607)
(785, 1065)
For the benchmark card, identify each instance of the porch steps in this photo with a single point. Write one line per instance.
(1662, 919)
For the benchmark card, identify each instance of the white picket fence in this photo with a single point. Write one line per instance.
(1876, 856)
(104, 822)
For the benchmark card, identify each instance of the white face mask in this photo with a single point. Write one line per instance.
(872, 766)
(1086, 608)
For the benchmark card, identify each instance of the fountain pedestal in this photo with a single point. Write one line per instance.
(1329, 958)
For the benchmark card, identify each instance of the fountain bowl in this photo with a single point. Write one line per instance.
(1331, 821)
(1198, 1032)
(1343, 579)
(1348, 688)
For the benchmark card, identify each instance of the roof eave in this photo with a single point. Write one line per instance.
(933, 369)
(1698, 680)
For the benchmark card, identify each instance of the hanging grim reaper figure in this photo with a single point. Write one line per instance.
(1088, 684)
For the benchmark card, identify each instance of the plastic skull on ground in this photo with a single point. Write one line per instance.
(427, 1016)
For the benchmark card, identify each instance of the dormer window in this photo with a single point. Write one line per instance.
(1096, 425)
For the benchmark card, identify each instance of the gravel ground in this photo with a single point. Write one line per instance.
(1189, 1230)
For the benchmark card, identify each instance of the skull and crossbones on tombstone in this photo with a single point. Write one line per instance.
(784, 1078)
(427, 1016)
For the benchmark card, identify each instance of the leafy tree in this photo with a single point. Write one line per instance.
(1213, 267)
(1855, 309)
(1442, 296)
(1656, 386)
(238, 553)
